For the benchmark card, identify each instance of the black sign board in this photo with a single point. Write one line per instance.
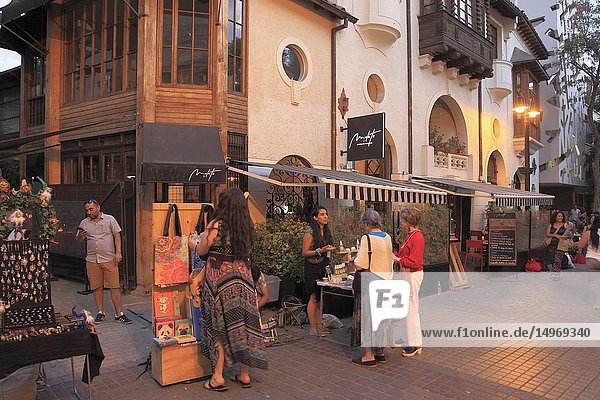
(502, 250)
(366, 137)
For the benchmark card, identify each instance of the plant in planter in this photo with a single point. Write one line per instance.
(436, 139)
(455, 145)
(278, 247)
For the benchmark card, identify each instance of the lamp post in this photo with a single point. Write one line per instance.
(527, 114)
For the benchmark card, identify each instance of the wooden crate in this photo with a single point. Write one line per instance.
(176, 364)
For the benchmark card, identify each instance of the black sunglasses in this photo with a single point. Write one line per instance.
(91, 201)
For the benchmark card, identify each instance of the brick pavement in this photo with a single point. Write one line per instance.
(312, 368)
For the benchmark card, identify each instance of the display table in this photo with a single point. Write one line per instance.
(328, 285)
(35, 350)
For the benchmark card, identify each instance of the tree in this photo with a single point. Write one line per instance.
(580, 52)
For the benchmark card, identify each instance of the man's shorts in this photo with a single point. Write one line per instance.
(103, 275)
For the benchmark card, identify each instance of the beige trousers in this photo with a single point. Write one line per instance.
(413, 321)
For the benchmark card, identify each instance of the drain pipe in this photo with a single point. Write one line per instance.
(480, 129)
(334, 90)
(409, 111)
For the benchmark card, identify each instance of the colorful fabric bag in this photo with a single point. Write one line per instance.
(171, 254)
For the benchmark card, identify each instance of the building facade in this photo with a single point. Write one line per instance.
(563, 168)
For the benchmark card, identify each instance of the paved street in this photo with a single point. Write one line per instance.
(312, 368)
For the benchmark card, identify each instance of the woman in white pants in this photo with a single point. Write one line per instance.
(410, 256)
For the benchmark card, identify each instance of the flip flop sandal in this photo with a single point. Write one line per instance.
(208, 386)
(245, 385)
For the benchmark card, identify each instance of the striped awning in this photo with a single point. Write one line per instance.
(347, 185)
(503, 196)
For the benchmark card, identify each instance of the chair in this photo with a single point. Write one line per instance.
(478, 235)
(292, 312)
(474, 253)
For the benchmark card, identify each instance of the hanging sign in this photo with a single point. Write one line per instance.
(502, 240)
(366, 137)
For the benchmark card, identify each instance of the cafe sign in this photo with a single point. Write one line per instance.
(366, 137)
(502, 240)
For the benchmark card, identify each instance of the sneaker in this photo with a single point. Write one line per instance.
(123, 318)
(99, 317)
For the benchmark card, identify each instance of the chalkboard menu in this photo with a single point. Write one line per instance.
(366, 137)
(502, 240)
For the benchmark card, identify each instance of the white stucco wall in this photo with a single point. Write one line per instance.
(276, 127)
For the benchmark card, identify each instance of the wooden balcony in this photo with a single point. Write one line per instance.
(459, 42)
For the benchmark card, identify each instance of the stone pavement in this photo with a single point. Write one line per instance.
(311, 368)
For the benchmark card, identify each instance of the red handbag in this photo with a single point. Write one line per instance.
(579, 258)
(533, 265)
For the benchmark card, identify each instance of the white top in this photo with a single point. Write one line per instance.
(592, 253)
(381, 253)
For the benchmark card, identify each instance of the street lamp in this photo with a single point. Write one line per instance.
(521, 108)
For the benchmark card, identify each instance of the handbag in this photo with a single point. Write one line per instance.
(548, 241)
(171, 254)
(533, 265)
(361, 274)
(564, 245)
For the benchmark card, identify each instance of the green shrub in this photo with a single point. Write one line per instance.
(278, 247)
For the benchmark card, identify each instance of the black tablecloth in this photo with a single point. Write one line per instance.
(15, 355)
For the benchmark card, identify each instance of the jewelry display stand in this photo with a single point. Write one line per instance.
(25, 284)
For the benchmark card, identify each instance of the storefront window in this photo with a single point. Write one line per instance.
(112, 159)
(178, 193)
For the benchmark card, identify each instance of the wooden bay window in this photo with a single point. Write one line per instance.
(100, 48)
(184, 55)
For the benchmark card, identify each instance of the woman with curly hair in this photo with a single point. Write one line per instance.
(231, 331)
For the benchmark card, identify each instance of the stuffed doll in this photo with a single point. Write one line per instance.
(17, 219)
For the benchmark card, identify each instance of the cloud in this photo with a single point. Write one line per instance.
(9, 59)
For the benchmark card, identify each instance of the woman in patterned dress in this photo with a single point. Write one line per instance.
(557, 230)
(231, 331)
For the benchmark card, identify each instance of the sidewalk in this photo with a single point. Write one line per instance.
(310, 368)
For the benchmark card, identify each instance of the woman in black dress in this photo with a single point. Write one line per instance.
(315, 245)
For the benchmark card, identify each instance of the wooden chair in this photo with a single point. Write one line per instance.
(478, 235)
(474, 253)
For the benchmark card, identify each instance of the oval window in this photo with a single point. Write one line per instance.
(293, 63)
(375, 88)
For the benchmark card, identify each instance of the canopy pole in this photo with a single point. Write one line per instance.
(450, 191)
(273, 181)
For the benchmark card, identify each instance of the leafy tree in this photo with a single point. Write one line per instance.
(580, 52)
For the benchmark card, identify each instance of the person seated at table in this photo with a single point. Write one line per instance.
(315, 245)
(379, 262)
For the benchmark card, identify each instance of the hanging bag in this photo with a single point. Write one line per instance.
(362, 273)
(171, 253)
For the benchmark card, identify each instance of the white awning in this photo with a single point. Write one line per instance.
(348, 185)
(503, 196)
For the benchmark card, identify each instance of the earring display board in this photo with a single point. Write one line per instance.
(25, 284)
(176, 355)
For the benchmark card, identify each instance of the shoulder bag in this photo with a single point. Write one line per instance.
(171, 253)
(356, 285)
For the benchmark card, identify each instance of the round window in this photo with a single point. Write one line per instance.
(293, 63)
(375, 88)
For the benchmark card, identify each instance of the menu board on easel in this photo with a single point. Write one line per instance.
(502, 239)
